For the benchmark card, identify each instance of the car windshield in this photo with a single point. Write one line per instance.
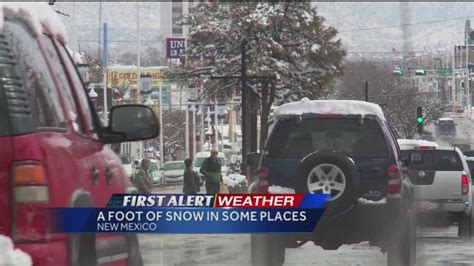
(126, 159)
(292, 139)
(435, 160)
(153, 167)
(174, 166)
(199, 161)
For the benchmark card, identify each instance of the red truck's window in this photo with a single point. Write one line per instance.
(42, 94)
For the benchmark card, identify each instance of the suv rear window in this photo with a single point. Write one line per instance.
(436, 160)
(294, 140)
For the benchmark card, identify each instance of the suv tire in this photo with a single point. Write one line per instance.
(267, 250)
(330, 172)
(465, 226)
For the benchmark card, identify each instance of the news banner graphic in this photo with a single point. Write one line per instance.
(185, 214)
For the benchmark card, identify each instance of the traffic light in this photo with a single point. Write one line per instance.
(419, 119)
(398, 71)
(462, 86)
(420, 72)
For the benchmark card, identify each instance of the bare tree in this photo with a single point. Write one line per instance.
(394, 93)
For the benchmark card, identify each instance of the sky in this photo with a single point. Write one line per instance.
(366, 29)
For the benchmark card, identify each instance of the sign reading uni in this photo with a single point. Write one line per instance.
(175, 47)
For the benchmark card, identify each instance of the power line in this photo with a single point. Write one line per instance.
(126, 41)
(406, 25)
(397, 52)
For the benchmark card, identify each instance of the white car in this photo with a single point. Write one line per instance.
(442, 181)
(173, 171)
(127, 163)
(155, 172)
(201, 156)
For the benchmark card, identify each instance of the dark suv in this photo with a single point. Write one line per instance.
(348, 150)
(445, 127)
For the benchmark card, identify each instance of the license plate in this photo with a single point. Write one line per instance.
(426, 205)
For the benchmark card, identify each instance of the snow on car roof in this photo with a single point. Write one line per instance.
(35, 16)
(416, 142)
(445, 119)
(343, 107)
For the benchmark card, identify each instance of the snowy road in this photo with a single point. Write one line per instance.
(435, 246)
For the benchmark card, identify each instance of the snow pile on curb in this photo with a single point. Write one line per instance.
(280, 190)
(235, 180)
(11, 256)
(371, 202)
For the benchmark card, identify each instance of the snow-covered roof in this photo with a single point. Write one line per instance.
(35, 16)
(416, 142)
(343, 107)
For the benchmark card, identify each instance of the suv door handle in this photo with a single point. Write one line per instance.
(108, 176)
(95, 174)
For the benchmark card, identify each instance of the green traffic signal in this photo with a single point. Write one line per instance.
(419, 120)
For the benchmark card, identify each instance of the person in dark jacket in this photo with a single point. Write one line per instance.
(211, 169)
(191, 179)
(142, 180)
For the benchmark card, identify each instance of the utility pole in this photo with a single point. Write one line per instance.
(249, 112)
(194, 129)
(216, 125)
(186, 135)
(366, 91)
(162, 157)
(105, 62)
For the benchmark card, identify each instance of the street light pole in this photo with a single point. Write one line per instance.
(162, 157)
(186, 135)
(193, 108)
(216, 124)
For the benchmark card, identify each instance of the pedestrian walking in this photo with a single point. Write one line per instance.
(192, 181)
(142, 180)
(211, 169)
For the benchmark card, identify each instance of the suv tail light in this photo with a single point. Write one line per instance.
(426, 148)
(394, 180)
(30, 199)
(464, 184)
(263, 174)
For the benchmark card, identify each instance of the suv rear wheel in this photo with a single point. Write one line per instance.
(333, 174)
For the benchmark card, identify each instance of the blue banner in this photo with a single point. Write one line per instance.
(194, 214)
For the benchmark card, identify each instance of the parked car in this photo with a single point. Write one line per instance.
(442, 181)
(201, 156)
(173, 171)
(348, 150)
(128, 164)
(155, 172)
(54, 151)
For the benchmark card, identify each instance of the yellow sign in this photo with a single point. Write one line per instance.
(126, 76)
